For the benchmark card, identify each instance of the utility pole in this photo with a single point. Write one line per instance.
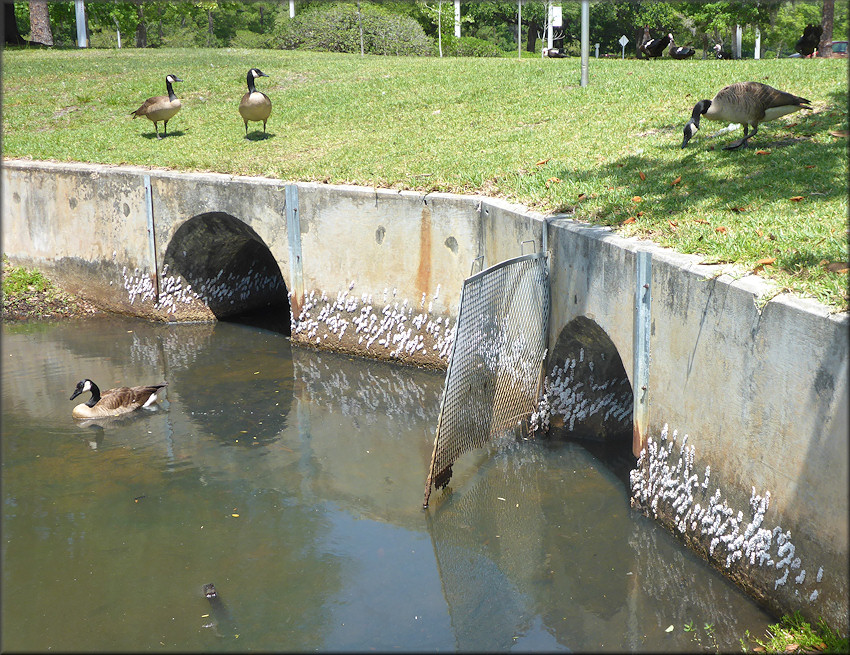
(585, 39)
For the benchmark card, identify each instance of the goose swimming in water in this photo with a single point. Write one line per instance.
(113, 402)
(747, 103)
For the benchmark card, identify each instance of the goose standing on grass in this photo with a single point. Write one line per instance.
(160, 108)
(680, 52)
(114, 402)
(748, 103)
(654, 48)
(255, 105)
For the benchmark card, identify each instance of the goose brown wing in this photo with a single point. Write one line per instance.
(149, 104)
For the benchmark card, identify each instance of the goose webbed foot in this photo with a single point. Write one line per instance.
(736, 145)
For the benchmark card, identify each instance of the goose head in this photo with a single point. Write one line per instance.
(692, 125)
(82, 387)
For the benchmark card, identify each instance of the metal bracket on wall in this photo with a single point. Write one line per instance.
(640, 347)
(296, 267)
(151, 233)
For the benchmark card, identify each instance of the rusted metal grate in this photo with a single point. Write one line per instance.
(496, 364)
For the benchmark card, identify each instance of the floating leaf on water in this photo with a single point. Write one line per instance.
(669, 629)
(236, 516)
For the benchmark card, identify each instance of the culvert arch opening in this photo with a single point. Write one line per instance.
(587, 395)
(230, 270)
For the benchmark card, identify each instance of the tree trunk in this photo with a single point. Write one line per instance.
(825, 45)
(141, 30)
(531, 42)
(209, 27)
(11, 35)
(40, 31)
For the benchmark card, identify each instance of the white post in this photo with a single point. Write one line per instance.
(549, 20)
(292, 8)
(597, 51)
(80, 9)
(585, 39)
(738, 31)
(118, 32)
(457, 18)
(758, 44)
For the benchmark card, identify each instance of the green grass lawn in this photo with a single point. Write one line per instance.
(524, 130)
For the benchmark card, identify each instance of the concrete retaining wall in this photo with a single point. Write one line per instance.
(758, 487)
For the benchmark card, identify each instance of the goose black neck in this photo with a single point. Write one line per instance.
(95, 394)
(700, 108)
(251, 87)
(171, 95)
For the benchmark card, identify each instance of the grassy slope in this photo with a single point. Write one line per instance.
(524, 130)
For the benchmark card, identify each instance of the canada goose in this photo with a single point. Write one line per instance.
(115, 401)
(810, 40)
(255, 105)
(160, 108)
(748, 103)
(680, 52)
(654, 48)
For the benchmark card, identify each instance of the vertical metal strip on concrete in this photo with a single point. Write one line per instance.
(642, 328)
(296, 268)
(151, 233)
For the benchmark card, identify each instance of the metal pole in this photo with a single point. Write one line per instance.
(585, 39)
(151, 233)
(457, 18)
(80, 10)
(640, 346)
(519, 30)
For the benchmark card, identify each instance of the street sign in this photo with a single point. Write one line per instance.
(623, 41)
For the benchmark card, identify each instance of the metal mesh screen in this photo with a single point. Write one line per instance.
(495, 368)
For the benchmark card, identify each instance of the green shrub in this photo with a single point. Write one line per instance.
(469, 46)
(249, 39)
(336, 28)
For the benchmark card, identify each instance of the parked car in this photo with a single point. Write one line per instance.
(839, 48)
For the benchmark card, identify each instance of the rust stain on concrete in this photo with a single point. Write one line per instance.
(423, 273)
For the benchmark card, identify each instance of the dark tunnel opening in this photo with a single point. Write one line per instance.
(590, 396)
(231, 270)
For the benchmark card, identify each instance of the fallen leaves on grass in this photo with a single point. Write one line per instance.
(637, 199)
(701, 220)
(796, 198)
(839, 134)
(676, 181)
(630, 219)
(761, 263)
(543, 161)
(721, 229)
(762, 152)
(642, 175)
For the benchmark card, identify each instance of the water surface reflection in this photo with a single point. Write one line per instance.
(293, 479)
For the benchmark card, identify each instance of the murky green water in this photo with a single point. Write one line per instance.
(293, 481)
